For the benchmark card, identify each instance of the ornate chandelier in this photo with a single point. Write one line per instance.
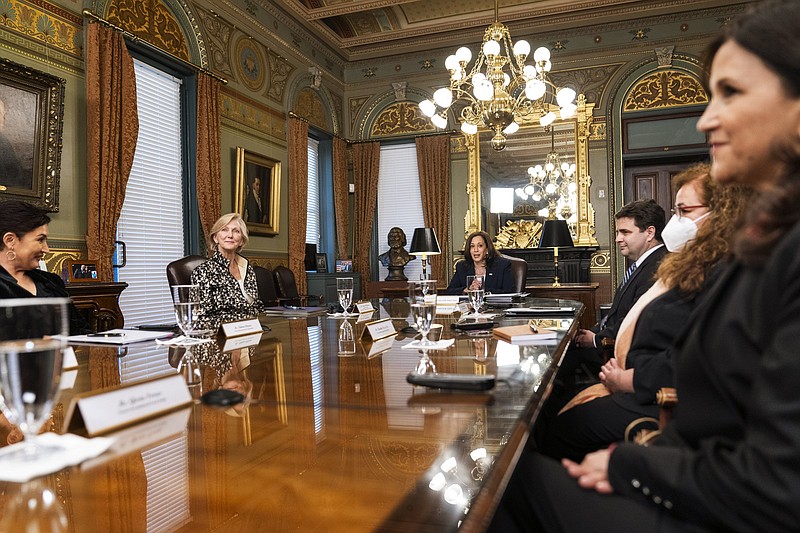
(500, 91)
(554, 181)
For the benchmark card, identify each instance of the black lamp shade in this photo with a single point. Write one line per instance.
(424, 242)
(555, 234)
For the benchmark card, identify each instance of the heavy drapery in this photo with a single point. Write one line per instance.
(208, 172)
(298, 199)
(366, 167)
(340, 191)
(433, 162)
(112, 127)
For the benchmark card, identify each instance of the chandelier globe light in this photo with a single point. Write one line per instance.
(553, 182)
(500, 91)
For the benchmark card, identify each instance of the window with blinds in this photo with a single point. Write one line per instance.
(312, 219)
(399, 200)
(151, 223)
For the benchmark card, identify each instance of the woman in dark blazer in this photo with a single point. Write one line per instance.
(730, 459)
(481, 258)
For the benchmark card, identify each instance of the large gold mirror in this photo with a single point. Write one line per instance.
(508, 169)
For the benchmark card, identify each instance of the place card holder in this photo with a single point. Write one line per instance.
(376, 348)
(378, 329)
(242, 327)
(99, 412)
(242, 341)
(364, 307)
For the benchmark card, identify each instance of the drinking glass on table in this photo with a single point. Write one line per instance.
(344, 290)
(30, 366)
(186, 300)
(475, 291)
(422, 296)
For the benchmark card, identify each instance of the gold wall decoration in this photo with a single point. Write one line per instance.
(355, 104)
(401, 118)
(218, 34)
(665, 88)
(58, 258)
(600, 262)
(310, 107)
(519, 234)
(279, 71)
(151, 21)
(238, 110)
(597, 130)
(44, 22)
(250, 64)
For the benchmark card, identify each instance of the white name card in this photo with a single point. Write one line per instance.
(379, 329)
(241, 327)
(365, 307)
(363, 317)
(378, 347)
(464, 308)
(242, 341)
(100, 412)
(446, 304)
(68, 359)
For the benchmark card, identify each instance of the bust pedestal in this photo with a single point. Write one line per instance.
(396, 273)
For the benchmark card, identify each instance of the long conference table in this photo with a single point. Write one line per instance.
(324, 442)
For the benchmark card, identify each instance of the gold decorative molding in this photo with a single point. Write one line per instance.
(44, 22)
(310, 107)
(151, 21)
(665, 88)
(250, 64)
(218, 36)
(597, 131)
(279, 71)
(355, 104)
(238, 110)
(519, 234)
(401, 118)
(57, 258)
(600, 262)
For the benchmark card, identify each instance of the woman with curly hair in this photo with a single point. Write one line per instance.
(698, 235)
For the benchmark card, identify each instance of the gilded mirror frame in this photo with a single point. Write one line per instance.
(585, 225)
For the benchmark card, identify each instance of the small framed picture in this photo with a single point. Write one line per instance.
(80, 271)
(344, 265)
(322, 263)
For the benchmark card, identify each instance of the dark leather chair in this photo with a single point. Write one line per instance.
(519, 270)
(287, 289)
(179, 272)
(266, 286)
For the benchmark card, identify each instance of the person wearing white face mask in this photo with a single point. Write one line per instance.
(705, 215)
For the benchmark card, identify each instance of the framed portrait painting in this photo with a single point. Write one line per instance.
(82, 271)
(31, 124)
(258, 188)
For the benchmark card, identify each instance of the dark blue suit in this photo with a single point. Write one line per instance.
(498, 278)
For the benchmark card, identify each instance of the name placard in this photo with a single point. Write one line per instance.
(446, 304)
(243, 341)
(379, 329)
(464, 308)
(68, 359)
(241, 327)
(363, 317)
(100, 412)
(365, 307)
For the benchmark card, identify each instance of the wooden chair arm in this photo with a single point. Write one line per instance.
(667, 397)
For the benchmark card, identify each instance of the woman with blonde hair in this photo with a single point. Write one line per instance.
(706, 215)
(228, 288)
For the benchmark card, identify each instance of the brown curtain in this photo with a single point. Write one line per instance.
(112, 127)
(209, 174)
(366, 165)
(298, 199)
(340, 192)
(433, 161)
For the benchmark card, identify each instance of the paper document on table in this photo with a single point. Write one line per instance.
(118, 336)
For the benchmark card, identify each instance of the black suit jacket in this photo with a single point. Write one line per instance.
(640, 281)
(730, 458)
(498, 280)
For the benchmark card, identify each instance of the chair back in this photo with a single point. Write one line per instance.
(179, 272)
(519, 271)
(266, 286)
(286, 285)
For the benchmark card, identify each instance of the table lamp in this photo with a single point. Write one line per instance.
(555, 235)
(424, 243)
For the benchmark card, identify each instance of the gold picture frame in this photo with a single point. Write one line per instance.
(31, 125)
(258, 187)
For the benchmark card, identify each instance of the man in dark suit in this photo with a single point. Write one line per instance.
(638, 234)
(254, 212)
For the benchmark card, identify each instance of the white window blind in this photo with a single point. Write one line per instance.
(151, 223)
(312, 219)
(399, 200)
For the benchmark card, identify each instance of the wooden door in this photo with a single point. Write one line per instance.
(651, 181)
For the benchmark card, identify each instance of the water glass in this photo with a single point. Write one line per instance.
(347, 339)
(475, 291)
(30, 366)
(422, 296)
(344, 290)
(186, 299)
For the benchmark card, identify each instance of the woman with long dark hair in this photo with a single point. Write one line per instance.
(481, 258)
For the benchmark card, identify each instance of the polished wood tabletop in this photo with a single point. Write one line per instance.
(323, 442)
